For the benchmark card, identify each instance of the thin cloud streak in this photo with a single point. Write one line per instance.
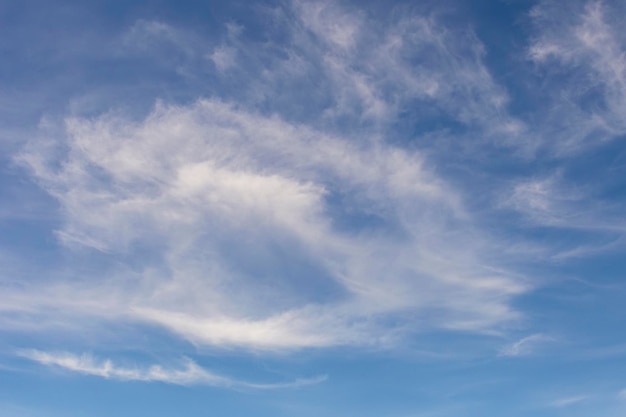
(190, 374)
(568, 401)
(525, 346)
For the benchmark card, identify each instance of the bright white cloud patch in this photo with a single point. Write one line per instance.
(253, 250)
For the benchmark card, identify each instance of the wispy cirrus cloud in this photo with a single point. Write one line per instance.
(554, 202)
(229, 202)
(526, 346)
(414, 63)
(190, 374)
(579, 66)
(250, 225)
(346, 67)
(568, 401)
(587, 47)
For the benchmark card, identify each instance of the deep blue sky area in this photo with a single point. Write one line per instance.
(310, 208)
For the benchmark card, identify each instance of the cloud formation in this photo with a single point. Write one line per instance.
(584, 48)
(568, 401)
(251, 226)
(190, 374)
(235, 217)
(525, 346)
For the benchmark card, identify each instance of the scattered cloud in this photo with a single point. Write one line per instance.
(588, 49)
(552, 201)
(416, 62)
(526, 346)
(222, 205)
(190, 374)
(243, 223)
(306, 175)
(223, 57)
(568, 401)
(330, 64)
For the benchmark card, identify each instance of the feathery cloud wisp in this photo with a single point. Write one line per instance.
(587, 46)
(525, 346)
(190, 374)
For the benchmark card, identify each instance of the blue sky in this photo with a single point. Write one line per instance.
(312, 208)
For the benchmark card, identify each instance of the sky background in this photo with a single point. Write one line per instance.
(312, 208)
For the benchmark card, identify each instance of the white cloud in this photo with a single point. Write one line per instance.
(525, 346)
(338, 28)
(231, 216)
(223, 57)
(190, 374)
(568, 401)
(585, 48)
(415, 61)
(247, 229)
(545, 201)
(332, 64)
(555, 202)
